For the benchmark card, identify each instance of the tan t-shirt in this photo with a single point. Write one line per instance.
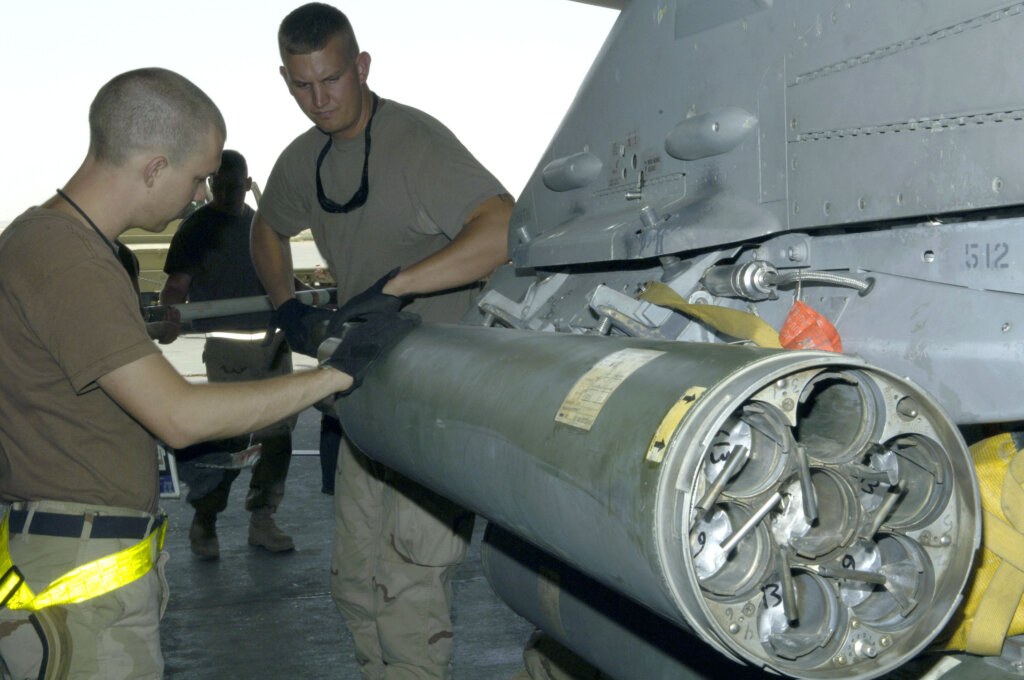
(423, 186)
(68, 316)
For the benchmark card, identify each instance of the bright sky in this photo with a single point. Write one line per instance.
(499, 73)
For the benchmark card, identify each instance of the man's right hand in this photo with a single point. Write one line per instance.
(298, 322)
(373, 300)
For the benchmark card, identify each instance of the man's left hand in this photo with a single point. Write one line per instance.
(367, 342)
(166, 331)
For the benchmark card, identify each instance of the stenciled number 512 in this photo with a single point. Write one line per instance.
(986, 255)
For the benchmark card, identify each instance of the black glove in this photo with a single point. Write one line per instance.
(363, 344)
(370, 301)
(298, 321)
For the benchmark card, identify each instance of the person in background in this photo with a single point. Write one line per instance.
(209, 260)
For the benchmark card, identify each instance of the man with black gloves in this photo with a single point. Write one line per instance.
(417, 201)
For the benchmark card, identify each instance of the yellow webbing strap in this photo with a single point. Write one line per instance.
(991, 610)
(81, 583)
(732, 322)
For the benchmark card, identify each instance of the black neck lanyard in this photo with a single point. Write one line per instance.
(89, 220)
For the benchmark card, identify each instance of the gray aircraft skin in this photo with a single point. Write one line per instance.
(656, 486)
(876, 139)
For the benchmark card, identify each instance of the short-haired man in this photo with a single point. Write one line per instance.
(85, 390)
(382, 186)
(209, 260)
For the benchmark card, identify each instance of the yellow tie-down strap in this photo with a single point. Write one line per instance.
(81, 583)
(992, 609)
(726, 320)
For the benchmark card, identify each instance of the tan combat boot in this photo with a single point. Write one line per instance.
(263, 532)
(203, 536)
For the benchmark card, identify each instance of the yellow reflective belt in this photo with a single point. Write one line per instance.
(726, 320)
(81, 583)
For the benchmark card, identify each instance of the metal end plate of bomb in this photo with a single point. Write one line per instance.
(839, 544)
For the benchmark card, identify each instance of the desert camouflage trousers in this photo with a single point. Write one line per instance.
(115, 636)
(396, 547)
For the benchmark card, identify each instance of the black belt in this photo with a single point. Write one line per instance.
(70, 526)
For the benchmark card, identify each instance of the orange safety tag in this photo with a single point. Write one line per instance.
(804, 328)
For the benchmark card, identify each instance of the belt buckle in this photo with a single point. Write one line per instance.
(7, 588)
